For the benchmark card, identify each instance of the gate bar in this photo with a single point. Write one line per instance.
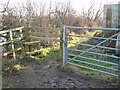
(95, 53)
(90, 45)
(93, 64)
(98, 44)
(76, 27)
(93, 69)
(90, 37)
(94, 59)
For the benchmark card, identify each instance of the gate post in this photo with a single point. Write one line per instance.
(0, 67)
(118, 54)
(64, 46)
(119, 73)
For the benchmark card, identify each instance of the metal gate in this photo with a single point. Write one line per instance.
(92, 48)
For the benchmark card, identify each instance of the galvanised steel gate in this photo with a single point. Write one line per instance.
(92, 48)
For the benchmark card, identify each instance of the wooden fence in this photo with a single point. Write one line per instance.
(11, 37)
(39, 36)
(23, 39)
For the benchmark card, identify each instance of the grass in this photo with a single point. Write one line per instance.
(74, 39)
(49, 53)
(95, 67)
(93, 74)
(12, 66)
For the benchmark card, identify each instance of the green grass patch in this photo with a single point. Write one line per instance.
(93, 74)
(49, 53)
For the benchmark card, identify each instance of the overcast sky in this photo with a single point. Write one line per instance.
(78, 5)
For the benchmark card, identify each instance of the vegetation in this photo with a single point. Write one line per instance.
(42, 18)
(43, 33)
(45, 21)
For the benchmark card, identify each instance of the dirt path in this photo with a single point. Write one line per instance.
(49, 75)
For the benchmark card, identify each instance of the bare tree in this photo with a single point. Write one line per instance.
(92, 18)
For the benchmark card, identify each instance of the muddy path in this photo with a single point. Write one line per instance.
(49, 75)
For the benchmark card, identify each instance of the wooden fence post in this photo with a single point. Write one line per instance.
(27, 38)
(61, 45)
(0, 67)
(22, 44)
(12, 44)
(0, 53)
(119, 73)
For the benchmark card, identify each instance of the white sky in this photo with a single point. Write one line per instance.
(78, 5)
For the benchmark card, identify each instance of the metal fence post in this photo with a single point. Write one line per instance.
(64, 46)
